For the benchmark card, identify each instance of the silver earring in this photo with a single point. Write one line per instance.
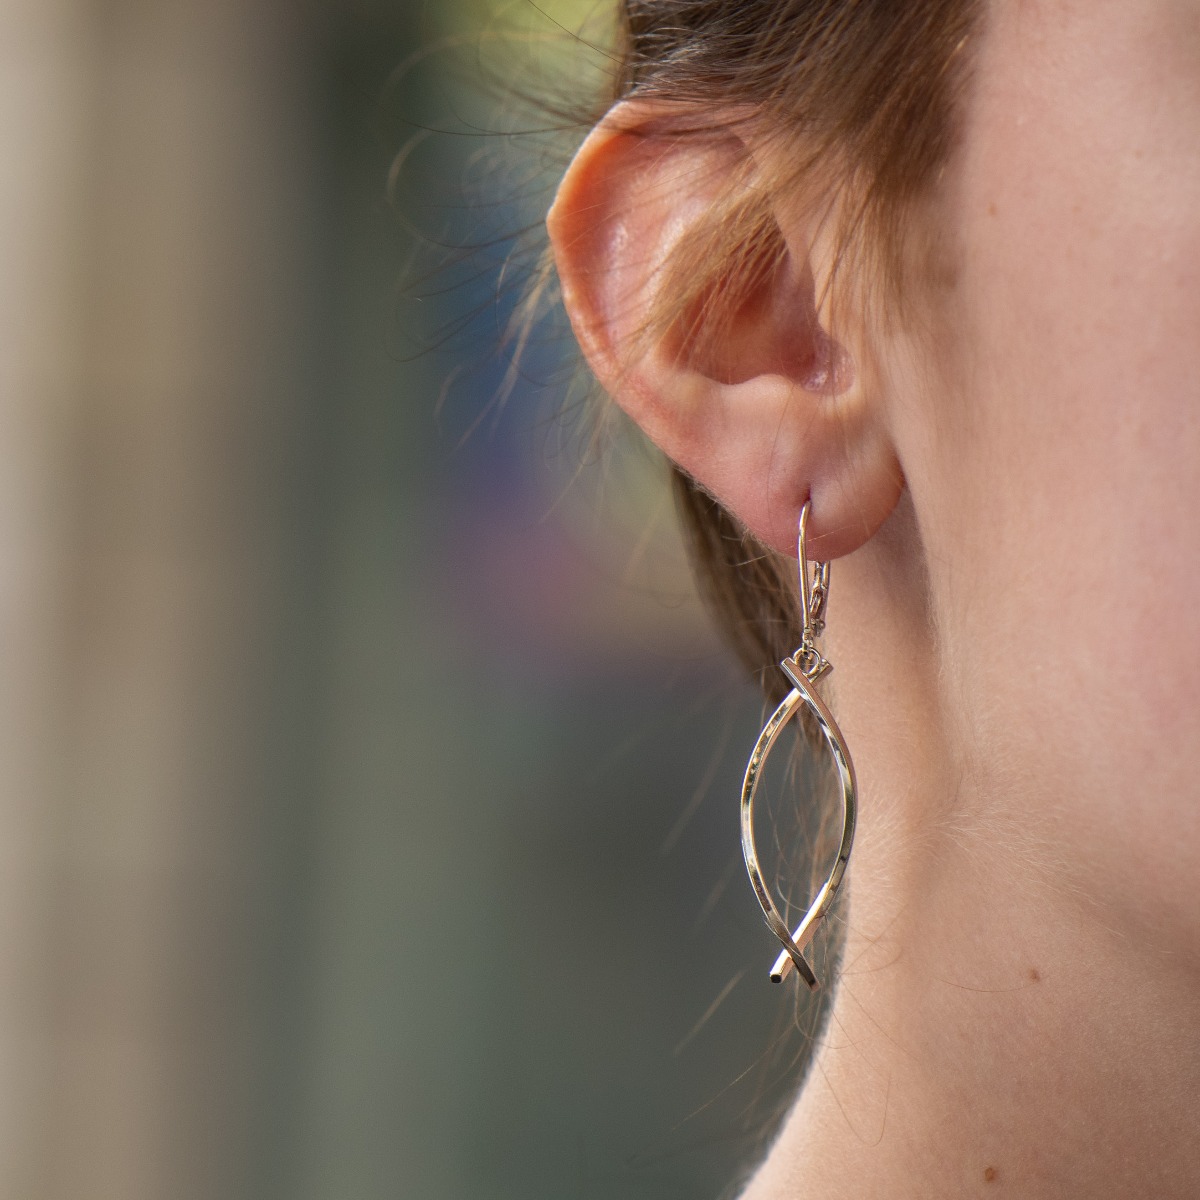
(804, 669)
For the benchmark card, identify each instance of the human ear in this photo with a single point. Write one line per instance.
(727, 365)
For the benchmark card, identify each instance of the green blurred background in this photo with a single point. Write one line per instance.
(367, 770)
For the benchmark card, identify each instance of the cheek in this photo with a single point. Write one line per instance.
(1065, 470)
(1080, 466)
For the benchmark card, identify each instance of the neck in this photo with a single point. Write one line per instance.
(993, 1026)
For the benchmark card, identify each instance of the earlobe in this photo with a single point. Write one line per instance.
(697, 308)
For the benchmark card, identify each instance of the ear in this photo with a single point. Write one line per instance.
(741, 383)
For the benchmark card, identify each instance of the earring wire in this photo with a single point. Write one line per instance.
(804, 669)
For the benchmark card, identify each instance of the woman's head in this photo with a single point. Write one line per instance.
(937, 266)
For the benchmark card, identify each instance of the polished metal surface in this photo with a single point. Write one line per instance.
(805, 668)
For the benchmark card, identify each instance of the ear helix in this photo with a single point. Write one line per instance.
(805, 668)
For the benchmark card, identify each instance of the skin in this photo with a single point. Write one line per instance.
(1012, 491)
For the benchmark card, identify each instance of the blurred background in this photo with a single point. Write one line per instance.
(367, 768)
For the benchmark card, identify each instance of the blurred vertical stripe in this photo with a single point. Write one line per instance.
(152, 321)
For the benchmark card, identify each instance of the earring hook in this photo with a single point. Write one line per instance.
(804, 669)
(814, 596)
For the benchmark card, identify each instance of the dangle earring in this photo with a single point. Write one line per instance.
(804, 669)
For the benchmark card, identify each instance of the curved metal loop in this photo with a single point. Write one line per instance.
(795, 942)
(803, 669)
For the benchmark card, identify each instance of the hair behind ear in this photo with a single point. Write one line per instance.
(750, 588)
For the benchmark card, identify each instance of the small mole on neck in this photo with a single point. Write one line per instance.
(1035, 976)
(989, 1175)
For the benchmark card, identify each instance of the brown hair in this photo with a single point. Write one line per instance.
(861, 96)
